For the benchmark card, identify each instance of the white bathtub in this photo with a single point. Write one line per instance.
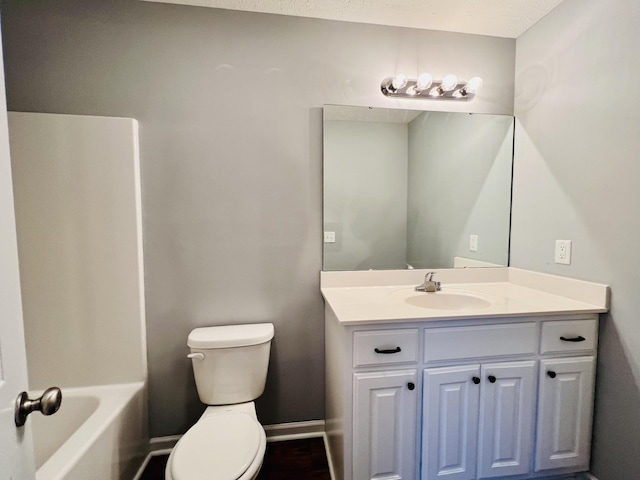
(99, 433)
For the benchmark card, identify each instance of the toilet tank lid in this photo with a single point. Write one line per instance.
(228, 336)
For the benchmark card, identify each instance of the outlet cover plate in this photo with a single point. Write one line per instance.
(329, 237)
(563, 252)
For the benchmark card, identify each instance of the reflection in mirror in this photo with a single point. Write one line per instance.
(412, 189)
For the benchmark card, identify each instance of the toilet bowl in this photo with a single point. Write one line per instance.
(226, 443)
(230, 369)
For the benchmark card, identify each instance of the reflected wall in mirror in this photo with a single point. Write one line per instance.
(407, 188)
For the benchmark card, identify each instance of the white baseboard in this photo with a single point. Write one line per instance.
(294, 430)
(157, 446)
(583, 476)
(141, 469)
(569, 476)
(275, 433)
(160, 444)
(147, 459)
(329, 458)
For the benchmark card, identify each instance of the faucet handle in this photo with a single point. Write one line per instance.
(428, 285)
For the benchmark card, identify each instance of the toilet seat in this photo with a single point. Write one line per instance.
(218, 446)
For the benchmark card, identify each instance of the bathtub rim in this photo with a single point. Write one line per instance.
(113, 400)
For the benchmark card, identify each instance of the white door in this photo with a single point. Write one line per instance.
(450, 422)
(507, 410)
(564, 413)
(384, 425)
(16, 451)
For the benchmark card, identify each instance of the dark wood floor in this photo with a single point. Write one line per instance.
(288, 460)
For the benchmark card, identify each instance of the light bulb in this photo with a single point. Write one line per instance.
(449, 83)
(473, 85)
(424, 81)
(412, 90)
(399, 81)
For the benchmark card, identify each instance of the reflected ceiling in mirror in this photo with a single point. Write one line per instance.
(416, 189)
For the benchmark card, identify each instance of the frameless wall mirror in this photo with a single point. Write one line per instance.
(416, 189)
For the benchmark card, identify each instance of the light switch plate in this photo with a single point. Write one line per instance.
(473, 243)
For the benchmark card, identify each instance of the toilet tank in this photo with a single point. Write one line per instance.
(230, 362)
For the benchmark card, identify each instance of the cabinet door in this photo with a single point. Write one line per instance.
(384, 425)
(450, 422)
(564, 416)
(507, 411)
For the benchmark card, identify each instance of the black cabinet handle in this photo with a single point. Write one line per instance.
(492, 379)
(551, 374)
(411, 386)
(579, 338)
(390, 350)
(476, 380)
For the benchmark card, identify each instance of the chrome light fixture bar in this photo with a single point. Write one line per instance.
(424, 87)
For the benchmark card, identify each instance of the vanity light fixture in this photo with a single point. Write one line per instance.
(449, 88)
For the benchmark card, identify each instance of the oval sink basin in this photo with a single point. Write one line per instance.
(447, 301)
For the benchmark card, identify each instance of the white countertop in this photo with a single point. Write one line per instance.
(363, 297)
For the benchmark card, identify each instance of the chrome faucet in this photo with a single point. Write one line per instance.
(429, 285)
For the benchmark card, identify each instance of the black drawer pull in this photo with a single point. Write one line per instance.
(551, 374)
(476, 380)
(390, 350)
(411, 386)
(492, 379)
(579, 338)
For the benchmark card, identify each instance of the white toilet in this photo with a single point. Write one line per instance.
(230, 368)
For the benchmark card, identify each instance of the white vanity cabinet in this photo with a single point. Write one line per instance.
(385, 403)
(384, 424)
(564, 412)
(478, 420)
(460, 399)
(565, 393)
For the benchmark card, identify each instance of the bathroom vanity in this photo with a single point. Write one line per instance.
(493, 376)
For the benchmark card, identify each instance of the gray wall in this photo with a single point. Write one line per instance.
(229, 105)
(577, 177)
(365, 195)
(459, 184)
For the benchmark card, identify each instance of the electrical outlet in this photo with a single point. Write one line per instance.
(329, 237)
(473, 243)
(563, 252)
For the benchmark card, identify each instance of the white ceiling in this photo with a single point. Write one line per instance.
(498, 18)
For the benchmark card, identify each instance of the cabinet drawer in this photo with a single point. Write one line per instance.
(481, 341)
(569, 336)
(383, 347)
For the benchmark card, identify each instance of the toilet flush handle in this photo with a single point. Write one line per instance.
(197, 355)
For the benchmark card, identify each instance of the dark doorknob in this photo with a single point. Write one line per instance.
(48, 404)
(492, 379)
